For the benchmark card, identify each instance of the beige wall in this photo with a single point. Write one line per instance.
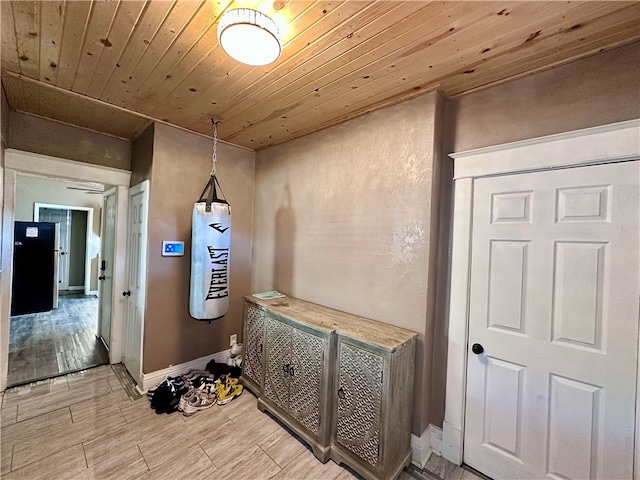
(47, 137)
(180, 170)
(142, 156)
(343, 219)
(597, 90)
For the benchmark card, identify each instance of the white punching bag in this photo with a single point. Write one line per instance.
(210, 250)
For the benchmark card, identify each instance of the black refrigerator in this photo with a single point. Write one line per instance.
(34, 267)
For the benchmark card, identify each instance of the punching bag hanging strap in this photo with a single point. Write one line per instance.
(213, 181)
(211, 196)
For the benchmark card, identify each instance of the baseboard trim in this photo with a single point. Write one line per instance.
(152, 379)
(423, 446)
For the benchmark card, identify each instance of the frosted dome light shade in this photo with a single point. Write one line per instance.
(249, 36)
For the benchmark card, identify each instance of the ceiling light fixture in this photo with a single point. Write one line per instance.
(249, 36)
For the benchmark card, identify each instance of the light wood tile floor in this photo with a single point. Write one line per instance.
(85, 426)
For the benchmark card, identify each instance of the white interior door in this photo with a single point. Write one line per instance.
(106, 265)
(554, 305)
(63, 217)
(136, 278)
(56, 267)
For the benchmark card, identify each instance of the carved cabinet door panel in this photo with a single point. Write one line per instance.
(359, 402)
(277, 375)
(307, 356)
(254, 345)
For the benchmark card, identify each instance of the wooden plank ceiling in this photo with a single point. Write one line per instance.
(113, 66)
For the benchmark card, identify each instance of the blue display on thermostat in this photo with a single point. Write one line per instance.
(172, 248)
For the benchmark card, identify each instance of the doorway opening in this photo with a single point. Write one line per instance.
(79, 241)
(23, 164)
(63, 336)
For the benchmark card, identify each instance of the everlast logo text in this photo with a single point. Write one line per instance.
(218, 287)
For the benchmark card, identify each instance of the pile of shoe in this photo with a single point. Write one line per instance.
(197, 390)
(208, 393)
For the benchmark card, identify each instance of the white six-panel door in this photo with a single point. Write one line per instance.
(136, 278)
(107, 258)
(554, 308)
(63, 218)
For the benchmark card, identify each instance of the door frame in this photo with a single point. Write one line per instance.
(89, 230)
(142, 188)
(611, 143)
(20, 162)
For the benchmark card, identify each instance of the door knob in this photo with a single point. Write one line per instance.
(477, 348)
(101, 277)
(127, 293)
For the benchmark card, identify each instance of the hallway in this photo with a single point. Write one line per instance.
(48, 344)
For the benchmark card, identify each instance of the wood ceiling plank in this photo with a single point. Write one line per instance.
(456, 55)
(391, 98)
(153, 18)
(388, 82)
(342, 69)
(316, 32)
(168, 41)
(212, 74)
(368, 25)
(10, 55)
(15, 96)
(31, 97)
(95, 40)
(76, 16)
(77, 110)
(221, 78)
(517, 59)
(366, 19)
(145, 87)
(51, 39)
(26, 15)
(335, 66)
(191, 72)
(390, 57)
(127, 18)
(576, 50)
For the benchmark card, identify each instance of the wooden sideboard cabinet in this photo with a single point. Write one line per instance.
(343, 383)
(254, 346)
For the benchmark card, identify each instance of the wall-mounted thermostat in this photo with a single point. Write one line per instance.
(172, 248)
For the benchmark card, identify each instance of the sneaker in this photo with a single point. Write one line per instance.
(236, 349)
(228, 390)
(202, 400)
(186, 397)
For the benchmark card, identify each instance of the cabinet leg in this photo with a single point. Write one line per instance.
(320, 453)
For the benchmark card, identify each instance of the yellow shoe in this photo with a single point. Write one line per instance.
(231, 390)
